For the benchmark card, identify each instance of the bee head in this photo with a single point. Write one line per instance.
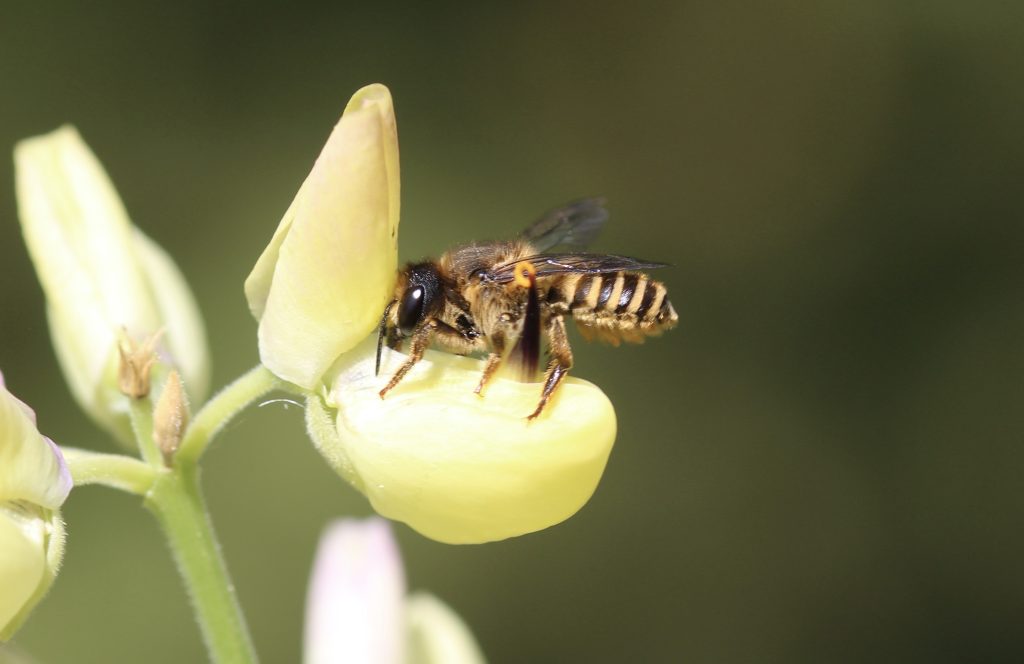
(417, 297)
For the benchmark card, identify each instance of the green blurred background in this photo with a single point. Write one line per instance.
(822, 464)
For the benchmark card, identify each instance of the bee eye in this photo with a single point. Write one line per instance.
(410, 310)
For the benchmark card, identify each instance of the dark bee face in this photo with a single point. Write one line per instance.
(420, 298)
(410, 309)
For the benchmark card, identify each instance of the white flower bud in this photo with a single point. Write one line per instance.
(102, 277)
(357, 609)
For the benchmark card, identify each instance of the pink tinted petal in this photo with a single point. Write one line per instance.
(62, 484)
(31, 466)
(355, 604)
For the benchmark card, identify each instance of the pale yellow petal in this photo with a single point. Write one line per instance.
(184, 335)
(31, 468)
(460, 468)
(335, 264)
(437, 635)
(22, 566)
(31, 550)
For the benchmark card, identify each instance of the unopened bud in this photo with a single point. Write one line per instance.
(133, 372)
(170, 417)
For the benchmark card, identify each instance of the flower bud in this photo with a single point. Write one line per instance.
(103, 278)
(326, 275)
(357, 609)
(456, 467)
(34, 481)
(436, 633)
(170, 417)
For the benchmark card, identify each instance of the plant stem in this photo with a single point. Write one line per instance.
(219, 410)
(113, 470)
(177, 502)
(141, 411)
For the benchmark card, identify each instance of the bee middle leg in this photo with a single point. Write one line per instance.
(421, 339)
(558, 366)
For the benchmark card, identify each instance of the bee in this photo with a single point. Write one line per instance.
(503, 297)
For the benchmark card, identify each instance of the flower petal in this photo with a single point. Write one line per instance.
(354, 609)
(460, 468)
(437, 635)
(31, 550)
(32, 469)
(22, 565)
(322, 283)
(183, 323)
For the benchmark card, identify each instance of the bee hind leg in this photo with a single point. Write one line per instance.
(558, 366)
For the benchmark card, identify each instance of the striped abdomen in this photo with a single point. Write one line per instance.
(619, 306)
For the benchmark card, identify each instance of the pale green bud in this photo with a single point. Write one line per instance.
(102, 277)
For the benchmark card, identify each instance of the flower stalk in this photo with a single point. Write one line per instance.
(176, 501)
(222, 408)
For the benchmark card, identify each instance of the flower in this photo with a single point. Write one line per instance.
(34, 482)
(357, 609)
(103, 279)
(454, 466)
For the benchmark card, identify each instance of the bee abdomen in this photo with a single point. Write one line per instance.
(621, 306)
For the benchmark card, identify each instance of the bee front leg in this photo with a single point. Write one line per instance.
(497, 341)
(558, 366)
(420, 341)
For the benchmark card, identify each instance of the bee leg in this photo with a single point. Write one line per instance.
(493, 361)
(420, 342)
(558, 366)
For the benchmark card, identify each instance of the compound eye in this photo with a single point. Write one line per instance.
(410, 310)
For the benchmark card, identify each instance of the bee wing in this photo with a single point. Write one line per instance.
(574, 225)
(548, 264)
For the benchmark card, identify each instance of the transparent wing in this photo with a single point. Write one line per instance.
(548, 264)
(574, 225)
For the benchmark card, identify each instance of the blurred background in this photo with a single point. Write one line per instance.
(823, 462)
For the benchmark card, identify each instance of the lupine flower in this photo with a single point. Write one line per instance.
(357, 610)
(34, 482)
(105, 282)
(454, 466)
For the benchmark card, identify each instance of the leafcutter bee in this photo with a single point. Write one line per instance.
(503, 297)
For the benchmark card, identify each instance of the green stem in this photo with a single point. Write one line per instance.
(113, 470)
(177, 502)
(141, 411)
(222, 408)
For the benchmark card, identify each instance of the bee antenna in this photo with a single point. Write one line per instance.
(381, 332)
